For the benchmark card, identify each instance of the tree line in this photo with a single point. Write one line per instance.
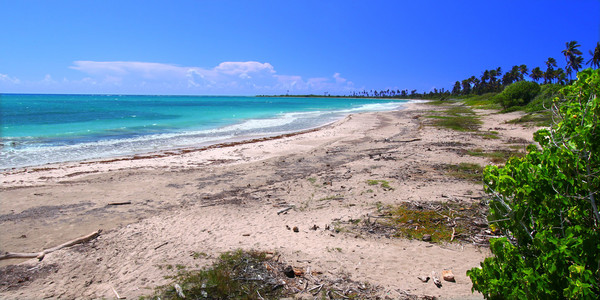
(490, 81)
(495, 80)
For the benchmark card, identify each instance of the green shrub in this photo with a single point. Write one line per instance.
(235, 275)
(545, 204)
(543, 100)
(518, 94)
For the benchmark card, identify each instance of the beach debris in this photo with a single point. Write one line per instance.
(480, 223)
(447, 275)
(155, 248)
(408, 141)
(119, 203)
(423, 278)
(289, 272)
(436, 279)
(246, 234)
(42, 254)
(318, 288)
(281, 211)
(288, 227)
(295, 229)
(179, 291)
(117, 294)
(298, 272)
(314, 227)
(457, 216)
(427, 237)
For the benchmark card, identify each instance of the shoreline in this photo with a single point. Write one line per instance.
(226, 198)
(155, 154)
(184, 138)
(6, 174)
(146, 159)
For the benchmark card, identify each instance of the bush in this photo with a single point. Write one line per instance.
(518, 94)
(235, 275)
(545, 204)
(543, 100)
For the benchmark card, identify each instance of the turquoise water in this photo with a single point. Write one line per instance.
(42, 129)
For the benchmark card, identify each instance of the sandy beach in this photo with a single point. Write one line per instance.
(177, 203)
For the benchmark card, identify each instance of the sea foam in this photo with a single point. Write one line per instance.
(155, 135)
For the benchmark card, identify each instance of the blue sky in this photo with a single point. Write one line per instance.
(270, 47)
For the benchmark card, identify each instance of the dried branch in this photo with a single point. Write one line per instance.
(42, 254)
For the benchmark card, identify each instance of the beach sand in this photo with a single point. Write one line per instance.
(226, 198)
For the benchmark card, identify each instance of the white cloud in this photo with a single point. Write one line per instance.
(48, 80)
(123, 69)
(240, 68)
(9, 80)
(249, 77)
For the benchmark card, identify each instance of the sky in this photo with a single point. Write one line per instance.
(277, 47)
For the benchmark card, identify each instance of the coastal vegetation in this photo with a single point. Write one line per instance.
(497, 156)
(517, 94)
(235, 275)
(430, 221)
(259, 275)
(383, 183)
(464, 171)
(456, 117)
(493, 81)
(545, 204)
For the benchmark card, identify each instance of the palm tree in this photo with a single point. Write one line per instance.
(511, 76)
(477, 85)
(549, 74)
(560, 76)
(551, 62)
(516, 73)
(456, 89)
(576, 63)
(523, 70)
(569, 70)
(486, 81)
(571, 54)
(493, 74)
(536, 74)
(485, 76)
(507, 78)
(466, 87)
(595, 60)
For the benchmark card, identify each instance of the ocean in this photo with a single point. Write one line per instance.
(42, 129)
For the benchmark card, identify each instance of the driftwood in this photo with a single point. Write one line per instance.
(319, 287)
(40, 255)
(117, 294)
(155, 248)
(408, 141)
(120, 203)
(284, 210)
